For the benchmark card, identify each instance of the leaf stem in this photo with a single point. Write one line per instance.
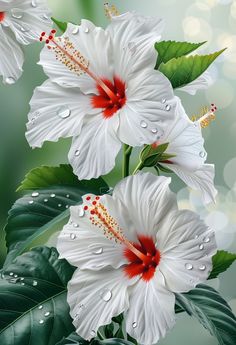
(138, 168)
(127, 150)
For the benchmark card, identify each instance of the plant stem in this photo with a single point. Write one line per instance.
(126, 157)
(138, 167)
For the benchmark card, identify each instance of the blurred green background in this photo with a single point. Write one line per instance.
(211, 20)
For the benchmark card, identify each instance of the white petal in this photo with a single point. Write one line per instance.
(12, 57)
(201, 83)
(94, 44)
(55, 112)
(151, 313)
(185, 141)
(85, 245)
(186, 246)
(201, 179)
(96, 297)
(147, 198)
(93, 153)
(145, 118)
(27, 21)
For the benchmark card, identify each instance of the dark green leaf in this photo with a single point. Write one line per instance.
(221, 261)
(164, 169)
(150, 154)
(113, 341)
(33, 299)
(37, 215)
(73, 338)
(61, 25)
(184, 70)
(168, 50)
(212, 311)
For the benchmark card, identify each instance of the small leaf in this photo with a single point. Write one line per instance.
(33, 299)
(61, 25)
(150, 154)
(184, 70)
(221, 261)
(168, 50)
(211, 310)
(73, 339)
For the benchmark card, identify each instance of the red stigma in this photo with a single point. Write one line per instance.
(85, 207)
(88, 198)
(103, 101)
(145, 267)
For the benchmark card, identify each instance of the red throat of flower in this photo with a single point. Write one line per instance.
(2, 16)
(111, 94)
(143, 257)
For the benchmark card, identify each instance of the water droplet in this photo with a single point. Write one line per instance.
(11, 274)
(64, 112)
(143, 124)
(31, 202)
(40, 307)
(24, 28)
(95, 249)
(77, 152)
(201, 246)
(86, 30)
(134, 324)
(81, 211)
(22, 279)
(10, 80)
(189, 266)
(106, 295)
(34, 194)
(154, 130)
(73, 236)
(75, 30)
(41, 321)
(52, 195)
(16, 13)
(202, 154)
(75, 225)
(67, 195)
(34, 3)
(163, 100)
(59, 205)
(45, 16)
(202, 268)
(168, 107)
(206, 239)
(67, 206)
(47, 313)
(45, 200)
(92, 333)
(15, 275)
(22, 284)
(35, 283)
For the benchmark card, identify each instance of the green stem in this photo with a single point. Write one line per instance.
(126, 157)
(138, 167)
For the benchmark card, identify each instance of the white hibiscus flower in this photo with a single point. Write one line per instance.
(102, 91)
(21, 22)
(186, 143)
(133, 251)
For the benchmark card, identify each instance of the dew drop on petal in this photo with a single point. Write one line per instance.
(41, 321)
(163, 100)
(206, 239)
(40, 307)
(134, 324)
(10, 80)
(75, 225)
(106, 295)
(35, 194)
(86, 30)
(168, 107)
(201, 246)
(154, 130)
(202, 268)
(75, 30)
(45, 16)
(24, 28)
(202, 154)
(16, 13)
(95, 249)
(72, 236)
(47, 313)
(143, 124)
(189, 266)
(34, 3)
(52, 195)
(63, 112)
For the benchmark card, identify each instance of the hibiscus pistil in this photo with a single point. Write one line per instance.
(206, 116)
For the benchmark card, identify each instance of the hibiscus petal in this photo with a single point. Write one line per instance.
(151, 313)
(93, 153)
(12, 57)
(55, 112)
(96, 297)
(201, 83)
(148, 199)
(186, 246)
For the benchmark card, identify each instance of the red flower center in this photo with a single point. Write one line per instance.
(146, 266)
(2, 15)
(110, 102)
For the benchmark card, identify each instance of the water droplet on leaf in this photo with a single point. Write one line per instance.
(35, 194)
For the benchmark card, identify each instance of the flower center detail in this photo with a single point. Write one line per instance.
(110, 105)
(143, 257)
(2, 15)
(206, 116)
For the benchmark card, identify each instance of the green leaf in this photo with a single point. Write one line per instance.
(150, 155)
(184, 70)
(61, 25)
(44, 210)
(221, 261)
(212, 311)
(168, 50)
(73, 338)
(33, 299)
(112, 341)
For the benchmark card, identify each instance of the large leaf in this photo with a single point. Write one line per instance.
(168, 50)
(221, 261)
(45, 208)
(185, 69)
(211, 310)
(75, 339)
(33, 299)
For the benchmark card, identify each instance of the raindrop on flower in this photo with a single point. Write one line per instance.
(189, 266)
(106, 295)
(41, 321)
(25, 28)
(75, 30)
(154, 130)
(64, 112)
(40, 307)
(73, 236)
(143, 124)
(35, 283)
(168, 107)
(134, 324)
(86, 30)
(95, 249)
(47, 313)
(52, 195)
(10, 80)
(16, 13)
(81, 211)
(75, 225)
(45, 16)
(163, 100)
(34, 194)
(77, 152)
(206, 239)
(31, 202)
(202, 154)
(202, 268)
(201, 246)
(34, 3)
